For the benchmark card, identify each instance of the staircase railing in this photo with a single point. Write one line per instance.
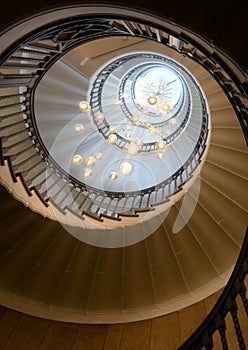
(25, 62)
(202, 338)
(21, 68)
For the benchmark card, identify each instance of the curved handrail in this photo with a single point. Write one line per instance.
(65, 35)
(215, 321)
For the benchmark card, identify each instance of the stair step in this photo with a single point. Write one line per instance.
(229, 159)
(229, 138)
(16, 147)
(227, 182)
(225, 117)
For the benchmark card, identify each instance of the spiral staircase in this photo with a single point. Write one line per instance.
(188, 254)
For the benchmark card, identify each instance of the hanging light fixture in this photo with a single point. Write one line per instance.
(152, 131)
(126, 168)
(83, 106)
(112, 129)
(113, 175)
(77, 159)
(100, 116)
(172, 121)
(159, 105)
(132, 148)
(165, 107)
(117, 102)
(90, 161)
(98, 156)
(88, 173)
(160, 155)
(161, 145)
(79, 127)
(154, 86)
(135, 118)
(112, 138)
(139, 141)
(152, 100)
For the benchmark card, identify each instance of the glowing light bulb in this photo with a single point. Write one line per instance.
(77, 159)
(139, 141)
(90, 161)
(88, 173)
(159, 105)
(117, 102)
(112, 138)
(79, 127)
(135, 118)
(126, 168)
(128, 134)
(165, 107)
(133, 148)
(83, 106)
(98, 156)
(152, 100)
(112, 129)
(152, 131)
(100, 116)
(154, 86)
(147, 124)
(161, 145)
(113, 175)
(160, 155)
(173, 121)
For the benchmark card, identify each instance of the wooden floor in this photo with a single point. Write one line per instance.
(23, 332)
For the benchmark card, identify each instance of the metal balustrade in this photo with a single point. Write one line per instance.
(31, 57)
(182, 116)
(71, 193)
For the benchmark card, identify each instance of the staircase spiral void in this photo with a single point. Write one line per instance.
(82, 241)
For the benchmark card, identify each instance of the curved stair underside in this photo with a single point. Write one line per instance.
(45, 271)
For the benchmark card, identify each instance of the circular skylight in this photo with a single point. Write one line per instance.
(155, 89)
